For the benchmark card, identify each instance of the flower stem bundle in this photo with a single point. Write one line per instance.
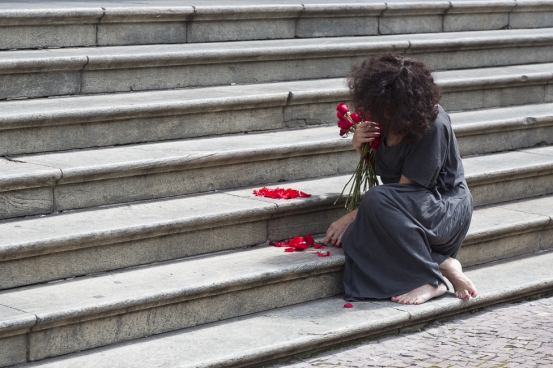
(364, 175)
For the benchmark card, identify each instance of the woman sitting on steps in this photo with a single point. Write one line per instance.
(402, 240)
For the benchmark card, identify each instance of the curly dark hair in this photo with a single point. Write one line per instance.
(397, 92)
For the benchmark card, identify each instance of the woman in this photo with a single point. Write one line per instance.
(403, 238)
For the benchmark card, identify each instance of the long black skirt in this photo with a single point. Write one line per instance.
(399, 237)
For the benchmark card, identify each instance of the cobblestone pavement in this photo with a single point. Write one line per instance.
(509, 335)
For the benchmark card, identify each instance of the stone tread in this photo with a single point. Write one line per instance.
(204, 53)
(273, 334)
(82, 109)
(35, 236)
(113, 162)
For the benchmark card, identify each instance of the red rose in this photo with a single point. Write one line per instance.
(375, 143)
(344, 124)
(356, 118)
(342, 108)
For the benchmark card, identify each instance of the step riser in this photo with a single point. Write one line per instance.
(87, 75)
(506, 140)
(47, 341)
(98, 129)
(143, 246)
(82, 257)
(507, 189)
(91, 190)
(158, 25)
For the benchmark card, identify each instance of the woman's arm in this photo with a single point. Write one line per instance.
(337, 229)
(365, 132)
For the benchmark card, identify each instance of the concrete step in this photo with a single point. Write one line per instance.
(105, 23)
(42, 125)
(69, 244)
(76, 71)
(123, 174)
(119, 306)
(261, 338)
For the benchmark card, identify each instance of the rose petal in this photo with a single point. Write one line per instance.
(323, 254)
(289, 250)
(348, 305)
(280, 193)
(309, 239)
(342, 107)
(355, 117)
(319, 246)
(375, 143)
(344, 124)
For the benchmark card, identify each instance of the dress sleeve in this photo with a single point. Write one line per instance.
(425, 158)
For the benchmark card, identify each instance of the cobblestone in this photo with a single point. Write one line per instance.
(510, 335)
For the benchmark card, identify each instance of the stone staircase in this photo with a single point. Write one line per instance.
(132, 134)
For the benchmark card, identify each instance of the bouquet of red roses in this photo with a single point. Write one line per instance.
(365, 173)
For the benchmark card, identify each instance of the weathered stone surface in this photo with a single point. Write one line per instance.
(474, 22)
(304, 327)
(20, 175)
(30, 36)
(141, 33)
(412, 24)
(497, 233)
(13, 341)
(334, 27)
(36, 236)
(184, 167)
(13, 350)
(257, 29)
(136, 68)
(118, 306)
(26, 202)
(507, 176)
(478, 15)
(494, 130)
(39, 84)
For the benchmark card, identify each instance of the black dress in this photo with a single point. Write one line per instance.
(403, 232)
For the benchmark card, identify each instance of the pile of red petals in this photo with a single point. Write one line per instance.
(280, 193)
(299, 244)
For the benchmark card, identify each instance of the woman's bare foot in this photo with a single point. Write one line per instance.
(453, 271)
(420, 294)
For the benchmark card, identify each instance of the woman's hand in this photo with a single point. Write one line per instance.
(337, 229)
(365, 132)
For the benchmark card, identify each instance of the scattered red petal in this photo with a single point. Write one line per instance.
(309, 239)
(280, 193)
(323, 254)
(319, 245)
(289, 249)
(348, 305)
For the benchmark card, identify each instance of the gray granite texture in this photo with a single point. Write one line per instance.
(103, 120)
(70, 71)
(286, 331)
(135, 234)
(120, 306)
(35, 24)
(86, 178)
